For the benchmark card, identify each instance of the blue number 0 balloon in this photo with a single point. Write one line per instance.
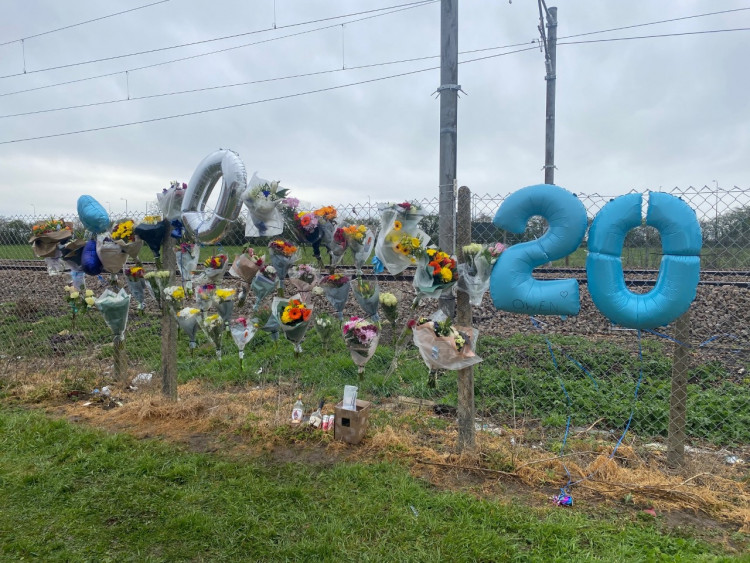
(680, 264)
(512, 287)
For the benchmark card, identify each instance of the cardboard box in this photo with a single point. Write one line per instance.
(351, 426)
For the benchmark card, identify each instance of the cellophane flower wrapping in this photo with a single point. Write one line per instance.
(367, 295)
(336, 288)
(283, 255)
(397, 221)
(242, 331)
(338, 246)
(246, 265)
(174, 295)
(111, 254)
(78, 279)
(474, 273)
(293, 317)
(308, 229)
(361, 337)
(436, 273)
(204, 296)
(137, 285)
(304, 278)
(123, 234)
(263, 284)
(326, 327)
(360, 240)
(263, 199)
(224, 303)
(47, 235)
(215, 267)
(189, 321)
(55, 265)
(389, 306)
(187, 255)
(157, 282)
(114, 308)
(442, 352)
(152, 230)
(213, 327)
(170, 201)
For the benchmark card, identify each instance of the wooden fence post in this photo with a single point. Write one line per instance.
(121, 360)
(168, 325)
(466, 410)
(678, 395)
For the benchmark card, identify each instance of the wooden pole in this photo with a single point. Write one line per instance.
(168, 325)
(448, 92)
(466, 409)
(678, 396)
(121, 360)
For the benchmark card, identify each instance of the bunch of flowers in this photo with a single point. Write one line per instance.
(170, 200)
(409, 246)
(474, 272)
(337, 246)
(114, 308)
(293, 317)
(47, 240)
(79, 302)
(213, 327)
(283, 255)
(326, 327)
(137, 285)
(215, 267)
(246, 265)
(264, 283)
(307, 221)
(327, 223)
(51, 226)
(336, 288)
(174, 295)
(361, 337)
(187, 255)
(327, 213)
(436, 272)
(304, 278)
(360, 240)
(367, 295)
(188, 319)
(242, 332)
(262, 199)
(156, 283)
(152, 230)
(399, 226)
(123, 234)
(111, 253)
(267, 322)
(444, 346)
(389, 303)
(204, 295)
(224, 302)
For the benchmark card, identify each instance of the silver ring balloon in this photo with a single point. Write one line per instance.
(209, 227)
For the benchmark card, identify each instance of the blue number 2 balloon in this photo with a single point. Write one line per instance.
(512, 286)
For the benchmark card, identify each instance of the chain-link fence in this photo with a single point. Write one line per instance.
(549, 380)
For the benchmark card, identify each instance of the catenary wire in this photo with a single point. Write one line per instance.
(83, 22)
(395, 9)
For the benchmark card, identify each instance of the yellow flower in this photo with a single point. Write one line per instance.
(431, 252)
(224, 294)
(285, 318)
(90, 301)
(397, 225)
(74, 295)
(178, 293)
(446, 274)
(89, 293)
(362, 229)
(415, 242)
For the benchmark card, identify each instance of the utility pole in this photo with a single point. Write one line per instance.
(448, 92)
(550, 59)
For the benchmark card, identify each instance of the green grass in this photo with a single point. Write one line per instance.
(71, 494)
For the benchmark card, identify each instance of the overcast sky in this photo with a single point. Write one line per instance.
(634, 114)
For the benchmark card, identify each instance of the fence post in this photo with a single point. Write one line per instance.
(466, 411)
(168, 325)
(678, 395)
(121, 360)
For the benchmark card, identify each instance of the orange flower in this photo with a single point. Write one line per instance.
(295, 313)
(305, 220)
(306, 314)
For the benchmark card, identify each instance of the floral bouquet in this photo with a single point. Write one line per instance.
(242, 332)
(174, 295)
(187, 255)
(204, 296)
(309, 230)
(326, 326)
(152, 230)
(474, 273)
(224, 303)
(72, 252)
(137, 285)
(360, 240)
(79, 302)
(262, 199)
(389, 304)
(156, 282)
(367, 294)
(189, 319)
(336, 288)
(246, 265)
(111, 254)
(264, 283)
(114, 308)
(46, 236)
(283, 255)
(293, 317)
(443, 346)
(213, 327)
(122, 234)
(170, 201)
(268, 323)
(215, 267)
(361, 337)
(396, 222)
(327, 222)
(337, 247)
(436, 272)
(304, 278)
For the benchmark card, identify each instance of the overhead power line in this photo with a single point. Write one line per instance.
(83, 22)
(655, 36)
(395, 8)
(254, 102)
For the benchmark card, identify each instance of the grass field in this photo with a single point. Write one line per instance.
(70, 494)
